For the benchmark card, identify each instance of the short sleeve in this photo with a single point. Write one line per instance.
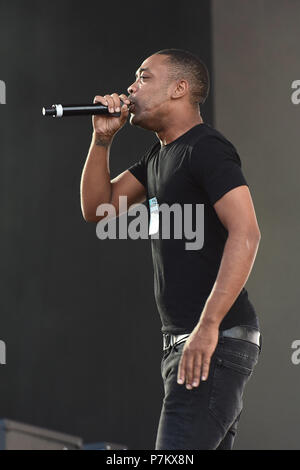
(216, 167)
(139, 169)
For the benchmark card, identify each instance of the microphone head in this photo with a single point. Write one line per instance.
(49, 111)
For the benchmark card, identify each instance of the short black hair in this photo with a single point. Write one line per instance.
(188, 65)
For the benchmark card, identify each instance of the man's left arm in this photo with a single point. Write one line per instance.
(236, 212)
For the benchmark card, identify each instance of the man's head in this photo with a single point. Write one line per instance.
(169, 81)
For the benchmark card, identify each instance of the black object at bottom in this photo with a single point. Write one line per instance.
(104, 446)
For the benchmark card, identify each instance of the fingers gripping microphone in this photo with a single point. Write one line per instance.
(62, 110)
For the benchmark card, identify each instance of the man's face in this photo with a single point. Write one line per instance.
(149, 93)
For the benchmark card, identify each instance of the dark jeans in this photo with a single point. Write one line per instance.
(207, 416)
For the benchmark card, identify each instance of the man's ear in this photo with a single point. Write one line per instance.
(180, 89)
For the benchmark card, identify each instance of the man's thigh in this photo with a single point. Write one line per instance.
(201, 418)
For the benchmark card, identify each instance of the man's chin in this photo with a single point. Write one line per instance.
(136, 120)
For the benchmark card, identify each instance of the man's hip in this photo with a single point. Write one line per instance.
(243, 332)
(201, 418)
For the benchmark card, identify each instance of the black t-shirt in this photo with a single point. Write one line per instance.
(199, 167)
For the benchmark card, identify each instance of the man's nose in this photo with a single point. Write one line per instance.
(131, 89)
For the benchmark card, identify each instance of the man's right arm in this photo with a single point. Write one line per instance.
(96, 186)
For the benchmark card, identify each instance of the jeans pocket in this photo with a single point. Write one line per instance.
(227, 387)
(237, 367)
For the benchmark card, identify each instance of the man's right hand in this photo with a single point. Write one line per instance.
(105, 126)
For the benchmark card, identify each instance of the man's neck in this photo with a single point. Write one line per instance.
(176, 129)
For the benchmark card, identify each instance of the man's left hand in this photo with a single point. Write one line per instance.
(196, 355)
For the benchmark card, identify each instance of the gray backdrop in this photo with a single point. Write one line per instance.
(77, 314)
(255, 61)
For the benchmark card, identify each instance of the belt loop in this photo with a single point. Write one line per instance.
(260, 342)
(166, 340)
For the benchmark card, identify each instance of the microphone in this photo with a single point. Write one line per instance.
(62, 110)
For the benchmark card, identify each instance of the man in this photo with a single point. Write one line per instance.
(210, 329)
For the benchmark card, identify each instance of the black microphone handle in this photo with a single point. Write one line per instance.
(62, 110)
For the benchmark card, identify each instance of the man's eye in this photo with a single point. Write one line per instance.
(144, 78)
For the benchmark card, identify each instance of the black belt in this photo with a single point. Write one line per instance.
(242, 332)
(238, 332)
